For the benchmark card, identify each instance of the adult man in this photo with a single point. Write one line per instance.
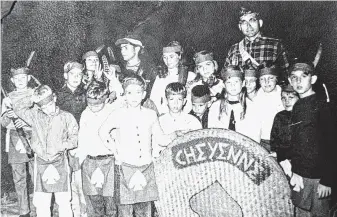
(131, 48)
(256, 50)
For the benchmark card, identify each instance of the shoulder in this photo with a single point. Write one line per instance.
(191, 76)
(270, 40)
(215, 105)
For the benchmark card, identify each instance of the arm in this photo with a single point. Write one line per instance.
(72, 130)
(110, 125)
(5, 120)
(159, 137)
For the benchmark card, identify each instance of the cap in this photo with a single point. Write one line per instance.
(231, 71)
(72, 65)
(305, 67)
(22, 70)
(202, 56)
(130, 39)
(170, 49)
(269, 71)
(251, 72)
(245, 11)
(89, 54)
(288, 88)
(200, 94)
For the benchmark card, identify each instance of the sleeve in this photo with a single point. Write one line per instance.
(327, 141)
(5, 121)
(159, 138)
(213, 115)
(155, 93)
(72, 127)
(282, 57)
(230, 56)
(274, 135)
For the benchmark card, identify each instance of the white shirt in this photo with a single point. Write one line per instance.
(158, 90)
(268, 105)
(133, 131)
(250, 126)
(89, 141)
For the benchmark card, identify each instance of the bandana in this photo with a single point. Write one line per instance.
(172, 49)
(202, 56)
(269, 71)
(89, 54)
(19, 71)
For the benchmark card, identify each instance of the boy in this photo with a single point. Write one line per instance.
(133, 127)
(53, 133)
(17, 155)
(268, 102)
(312, 138)
(71, 98)
(280, 134)
(176, 120)
(201, 101)
(98, 161)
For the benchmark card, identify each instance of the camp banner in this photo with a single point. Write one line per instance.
(217, 172)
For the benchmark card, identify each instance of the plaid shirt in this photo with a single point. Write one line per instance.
(262, 49)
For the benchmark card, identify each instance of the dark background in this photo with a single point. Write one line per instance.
(62, 31)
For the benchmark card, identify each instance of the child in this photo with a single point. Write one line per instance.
(280, 133)
(71, 98)
(174, 71)
(17, 155)
(175, 119)
(54, 132)
(312, 139)
(98, 161)
(133, 127)
(251, 76)
(205, 68)
(232, 112)
(201, 97)
(268, 101)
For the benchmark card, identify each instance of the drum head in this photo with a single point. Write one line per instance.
(217, 172)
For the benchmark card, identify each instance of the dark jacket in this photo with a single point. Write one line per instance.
(313, 137)
(280, 135)
(72, 102)
(204, 118)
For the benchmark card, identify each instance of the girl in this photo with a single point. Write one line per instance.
(173, 71)
(232, 112)
(205, 68)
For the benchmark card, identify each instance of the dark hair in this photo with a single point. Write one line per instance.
(175, 88)
(97, 90)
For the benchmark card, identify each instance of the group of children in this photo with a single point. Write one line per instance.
(94, 141)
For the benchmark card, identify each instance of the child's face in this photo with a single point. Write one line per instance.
(288, 100)
(206, 69)
(20, 81)
(268, 83)
(175, 102)
(171, 60)
(134, 94)
(91, 63)
(129, 51)
(234, 86)
(199, 108)
(302, 82)
(50, 107)
(96, 107)
(250, 84)
(74, 77)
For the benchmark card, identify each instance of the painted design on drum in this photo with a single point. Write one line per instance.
(209, 149)
(214, 201)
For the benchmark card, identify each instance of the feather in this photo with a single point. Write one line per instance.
(99, 49)
(29, 60)
(318, 55)
(111, 54)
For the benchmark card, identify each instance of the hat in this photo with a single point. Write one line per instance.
(202, 56)
(245, 11)
(22, 70)
(89, 54)
(305, 67)
(130, 39)
(287, 88)
(269, 71)
(201, 94)
(231, 71)
(43, 95)
(72, 65)
(251, 72)
(174, 48)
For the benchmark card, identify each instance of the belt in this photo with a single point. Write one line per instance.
(99, 157)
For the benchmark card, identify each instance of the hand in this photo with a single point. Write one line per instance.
(18, 123)
(111, 74)
(323, 191)
(286, 166)
(98, 72)
(297, 182)
(11, 114)
(272, 154)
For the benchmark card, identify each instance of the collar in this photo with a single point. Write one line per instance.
(257, 39)
(78, 91)
(57, 112)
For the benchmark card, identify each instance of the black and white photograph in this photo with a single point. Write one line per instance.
(168, 108)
